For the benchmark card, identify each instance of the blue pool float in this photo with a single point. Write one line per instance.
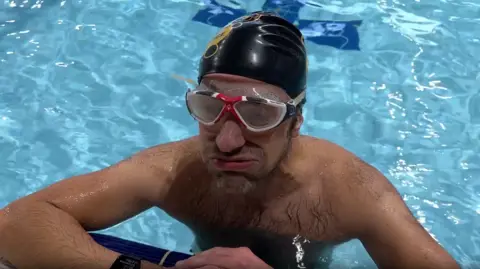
(145, 252)
(338, 34)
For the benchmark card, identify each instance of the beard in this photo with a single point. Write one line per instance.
(233, 183)
(236, 199)
(244, 183)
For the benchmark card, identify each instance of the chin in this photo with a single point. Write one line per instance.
(233, 183)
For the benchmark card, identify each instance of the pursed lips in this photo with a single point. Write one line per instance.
(234, 163)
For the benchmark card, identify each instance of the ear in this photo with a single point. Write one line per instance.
(297, 124)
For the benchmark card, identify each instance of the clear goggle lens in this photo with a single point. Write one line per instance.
(255, 113)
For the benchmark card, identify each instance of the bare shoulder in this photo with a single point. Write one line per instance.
(348, 183)
(161, 159)
(347, 168)
(318, 147)
(171, 149)
(339, 172)
(324, 156)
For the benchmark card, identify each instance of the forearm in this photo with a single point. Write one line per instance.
(414, 257)
(420, 263)
(39, 235)
(436, 259)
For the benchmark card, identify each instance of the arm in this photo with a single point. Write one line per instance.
(48, 229)
(385, 226)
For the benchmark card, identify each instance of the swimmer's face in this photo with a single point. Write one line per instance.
(258, 154)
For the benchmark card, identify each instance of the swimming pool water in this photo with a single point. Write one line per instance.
(86, 83)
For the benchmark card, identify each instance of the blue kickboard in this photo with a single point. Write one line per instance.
(338, 34)
(139, 250)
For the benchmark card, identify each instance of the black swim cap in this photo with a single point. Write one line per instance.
(261, 46)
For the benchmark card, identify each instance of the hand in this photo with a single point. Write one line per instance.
(5, 264)
(224, 258)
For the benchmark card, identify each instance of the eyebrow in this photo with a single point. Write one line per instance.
(212, 86)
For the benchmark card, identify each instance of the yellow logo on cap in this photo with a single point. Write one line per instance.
(251, 17)
(212, 46)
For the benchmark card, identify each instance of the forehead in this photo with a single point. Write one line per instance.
(236, 85)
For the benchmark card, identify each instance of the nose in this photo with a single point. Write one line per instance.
(230, 137)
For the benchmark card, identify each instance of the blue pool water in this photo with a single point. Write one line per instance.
(86, 83)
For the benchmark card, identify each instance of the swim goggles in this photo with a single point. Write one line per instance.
(254, 113)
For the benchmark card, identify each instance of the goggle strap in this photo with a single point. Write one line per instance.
(297, 100)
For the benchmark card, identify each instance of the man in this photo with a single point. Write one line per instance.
(256, 193)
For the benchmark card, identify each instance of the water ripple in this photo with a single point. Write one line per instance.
(85, 83)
